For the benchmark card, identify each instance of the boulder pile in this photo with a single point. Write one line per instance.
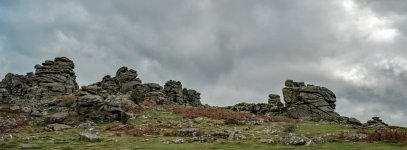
(51, 78)
(126, 81)
(376, 123)
(308, 101)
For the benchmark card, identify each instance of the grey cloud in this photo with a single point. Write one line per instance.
(229, 50)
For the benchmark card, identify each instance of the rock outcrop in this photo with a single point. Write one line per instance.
(375, 123)
(306, 102)
(51, 78)
(175, 94)
(55, 78)
(126, 81)
(273, 107)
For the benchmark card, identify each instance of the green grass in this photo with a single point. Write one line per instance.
(67, 140)
(311, 129)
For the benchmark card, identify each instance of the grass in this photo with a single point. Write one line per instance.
(167, 121)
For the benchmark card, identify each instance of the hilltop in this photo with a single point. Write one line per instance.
(47, 109)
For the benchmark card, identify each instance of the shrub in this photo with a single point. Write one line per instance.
(290, 127)
(231, 122)
(387, 135)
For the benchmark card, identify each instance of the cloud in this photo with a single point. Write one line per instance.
(230, 51)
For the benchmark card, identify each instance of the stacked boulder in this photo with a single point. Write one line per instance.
(273, 107)
(154, 92)
(4, 95)
(275, 101)
(15, 86)
(375, 123)
(173, 91)
(55, 78)
(126, 81)
(176, 95)
(51, 78)
(306, 102)
(97, 108)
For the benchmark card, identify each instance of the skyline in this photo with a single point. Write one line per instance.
(229, 51)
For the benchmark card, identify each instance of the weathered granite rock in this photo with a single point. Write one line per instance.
(153, 92)
(292, 139)
(112, 104)
(375, 123)
(51, 78)
(274, 99)
(173, 91)
(273, 107)
(127, 79)
(188, 132)
(192, 97)
(307, 102)
(55, 78)
(175, 94)
(259, 108)
(57, 117)
(90, 136)
(57, 127)
(90, 101)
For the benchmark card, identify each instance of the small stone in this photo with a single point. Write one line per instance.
(57, 127)
(36, 113)
(318, 140)
(199, 139)
(88, 136)
(14, 108)
(29, 146)
(292, 139)
(86, 125)
(355, 136)
(57, 117)
(199, 120)
(179, 141)
(266, 141)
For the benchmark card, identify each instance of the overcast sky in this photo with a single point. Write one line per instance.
(230, 50)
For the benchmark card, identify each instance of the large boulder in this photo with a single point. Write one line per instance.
(273, 107)
(51, 78)
(307, 102)
(127, 79)
(192, 97)
(15, 86)
(173, 91)
(175, 94)
(375, 123)
(55, 78)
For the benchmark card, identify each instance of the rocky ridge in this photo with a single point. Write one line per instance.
(53, 87)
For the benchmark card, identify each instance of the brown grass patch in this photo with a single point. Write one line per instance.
(222, 114)
(133, 131)
(387, 135)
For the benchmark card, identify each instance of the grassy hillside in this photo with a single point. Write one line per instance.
(158, 127)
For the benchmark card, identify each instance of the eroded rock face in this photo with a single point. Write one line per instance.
(376, 123)
(127, 79)
(273, 107)
(55, 78)
(51, 78)
(256, 108)
(173, 91)
(175, 94)
(308, 101)
(192, 97)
